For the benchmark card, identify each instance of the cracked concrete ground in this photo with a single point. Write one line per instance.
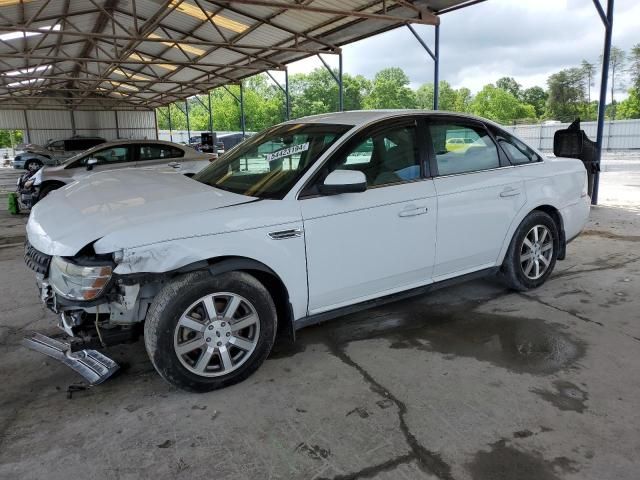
(470, 382)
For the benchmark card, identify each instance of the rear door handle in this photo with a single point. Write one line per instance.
(174, 164)
(510, 192)
(412, 211)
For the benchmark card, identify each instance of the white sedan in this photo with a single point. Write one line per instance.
(303, 222)
(115, 155)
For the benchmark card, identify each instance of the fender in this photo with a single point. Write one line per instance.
(270, 279)
(553, 211)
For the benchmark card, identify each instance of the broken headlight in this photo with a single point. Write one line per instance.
(78, 282)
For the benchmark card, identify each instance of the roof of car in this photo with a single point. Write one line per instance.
(138, 140)
(363, 117)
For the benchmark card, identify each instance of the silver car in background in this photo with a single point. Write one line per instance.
(32, 157)
(119, 154)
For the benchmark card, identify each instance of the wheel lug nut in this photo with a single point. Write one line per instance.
(219, 344)
(228, 334)
(208, 340)
(223, 324)
(210, 327)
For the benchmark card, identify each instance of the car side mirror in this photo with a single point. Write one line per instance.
(343, 181)
(91, 162)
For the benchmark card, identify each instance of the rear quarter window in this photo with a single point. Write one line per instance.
(518, 152)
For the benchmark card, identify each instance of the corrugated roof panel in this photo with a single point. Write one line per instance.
(301, 21)
(236, 22)
(266, 35)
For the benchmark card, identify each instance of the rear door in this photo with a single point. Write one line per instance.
(479, 194)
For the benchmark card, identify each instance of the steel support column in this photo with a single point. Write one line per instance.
(435, 56)
(340, 84)
(210, 113)
(155, 122)
(170, 130)
(436, 69)
(242, 122)
(287, 99)
(26, 125)
(607, 21)
(115, 113)
(186, 113)
(284, 90)
(337, 78)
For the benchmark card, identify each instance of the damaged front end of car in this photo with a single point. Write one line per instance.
(96, 308)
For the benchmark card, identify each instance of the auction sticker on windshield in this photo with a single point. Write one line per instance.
(285, 152)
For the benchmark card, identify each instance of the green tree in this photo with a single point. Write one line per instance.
(510, 85)
(424, 96)
(317, 92)
(10, 138)
(630, 107)
(463, 100)
(617, 63)
(566, 95)
(449, 98)
(390, 89)
(263, 106)
(588, 70)
(634, 66)
(537, 98)
(500, 105)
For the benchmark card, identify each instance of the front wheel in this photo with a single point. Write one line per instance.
(203, 333)
(47, 189)
(532, 253)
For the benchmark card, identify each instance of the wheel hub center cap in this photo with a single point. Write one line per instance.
(218, 333)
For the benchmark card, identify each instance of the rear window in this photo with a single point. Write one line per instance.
(518, 152)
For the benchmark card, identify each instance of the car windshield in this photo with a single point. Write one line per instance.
(268, 164)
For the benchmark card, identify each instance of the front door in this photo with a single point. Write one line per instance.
(378, 242)
(479, 195)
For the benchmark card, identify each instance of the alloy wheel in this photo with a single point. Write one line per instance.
(217, 334)
(536, 252)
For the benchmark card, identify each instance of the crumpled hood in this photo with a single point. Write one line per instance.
(33, 148)
(72, 217)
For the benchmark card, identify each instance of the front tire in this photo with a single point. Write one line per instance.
(47, 189)
(203, 332)
(532, 253)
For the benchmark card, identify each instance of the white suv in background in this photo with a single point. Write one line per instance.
(303, 222)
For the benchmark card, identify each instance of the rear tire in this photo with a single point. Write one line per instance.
(203, 332)
(532, 253)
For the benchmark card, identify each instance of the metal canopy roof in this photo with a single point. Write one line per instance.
(101, 54)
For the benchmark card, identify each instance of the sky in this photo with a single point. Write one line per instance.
(525, 39)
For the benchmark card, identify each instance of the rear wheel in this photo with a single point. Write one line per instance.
(203, 333)
(532, 253)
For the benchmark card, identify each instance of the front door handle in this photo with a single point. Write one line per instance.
(510, 192)
(412, 211)
(174, 164)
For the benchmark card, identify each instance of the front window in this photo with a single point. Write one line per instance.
(270, 163)
(385, 158)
